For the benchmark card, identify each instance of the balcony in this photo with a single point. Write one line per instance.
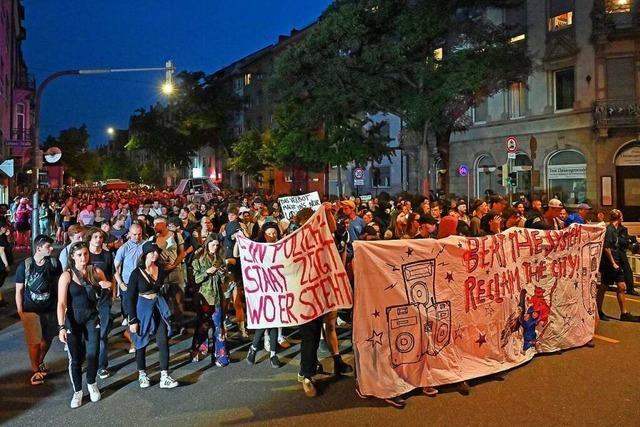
(21, 134)
(621, 113)
(26, 81)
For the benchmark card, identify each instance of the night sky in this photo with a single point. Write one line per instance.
(196, 35)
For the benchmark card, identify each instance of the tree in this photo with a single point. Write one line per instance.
(371, 56)
(199, 115)
(150, 174)
(248, 154)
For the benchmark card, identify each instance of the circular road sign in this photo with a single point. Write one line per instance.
(512, 144)
(463, 170)
(358, 173)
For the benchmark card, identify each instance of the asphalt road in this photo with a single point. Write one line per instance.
(580, 387)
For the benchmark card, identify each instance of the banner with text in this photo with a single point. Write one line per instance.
(290, 205)
(432, 312)
(296, 279)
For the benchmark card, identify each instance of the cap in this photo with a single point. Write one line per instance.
(348, 203)
(149, 247)
(243, 209)
(583, 206)
(555, 203)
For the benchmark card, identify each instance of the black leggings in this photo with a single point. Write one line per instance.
(83, 340)
(258, 342)
(162, 340)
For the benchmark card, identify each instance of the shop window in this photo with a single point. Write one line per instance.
(567, 176)
(564, 89)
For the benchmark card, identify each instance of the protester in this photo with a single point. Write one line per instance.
(79, 290)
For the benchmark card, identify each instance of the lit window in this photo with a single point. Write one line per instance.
(560, 22)
(247, 79)
(438, 54)
(618, 6)
(517, 38)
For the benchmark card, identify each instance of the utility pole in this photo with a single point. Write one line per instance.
(169, 70)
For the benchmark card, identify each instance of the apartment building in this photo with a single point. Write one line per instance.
(575, 121)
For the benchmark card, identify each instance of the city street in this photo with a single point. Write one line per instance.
(580, 387)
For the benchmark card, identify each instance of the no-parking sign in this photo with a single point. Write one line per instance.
(512, 144)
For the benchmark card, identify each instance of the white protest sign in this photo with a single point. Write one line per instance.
(292, 204)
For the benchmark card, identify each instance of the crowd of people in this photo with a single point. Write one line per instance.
(160, 258)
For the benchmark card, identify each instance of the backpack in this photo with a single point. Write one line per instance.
(35, 301)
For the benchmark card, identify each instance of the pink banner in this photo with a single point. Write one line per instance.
(296, 279)
(432, 312)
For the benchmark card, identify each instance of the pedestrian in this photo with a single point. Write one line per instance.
(36, 290)
(209, 273)
(79, 289)
(149, 314)
(76, 233)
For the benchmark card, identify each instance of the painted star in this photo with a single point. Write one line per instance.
(460, 245)
(457, 334)
(375, 338)
(409, 252)
(449, 277)
(376, 313)
(482, 339)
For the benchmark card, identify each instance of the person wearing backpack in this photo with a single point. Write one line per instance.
(36, 286)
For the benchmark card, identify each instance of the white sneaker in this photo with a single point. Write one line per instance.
(76, 400)
(340, 322)
(167, 382)
(94, 392)
(267, 343)
(125, 322)
(143, 380)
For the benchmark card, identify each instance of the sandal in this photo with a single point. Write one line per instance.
(37, 378)
(43, 369)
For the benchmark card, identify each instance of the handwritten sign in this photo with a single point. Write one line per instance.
(292, 204)
(432, 312)
(296, 279)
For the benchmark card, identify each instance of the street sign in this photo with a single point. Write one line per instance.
(358, 182)
(512, 144)
(17, 143)
(7, 167)
(358, 173)
(511, 156)
(463, 170)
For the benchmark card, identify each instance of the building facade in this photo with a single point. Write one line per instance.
(573, 126)
(17, 90)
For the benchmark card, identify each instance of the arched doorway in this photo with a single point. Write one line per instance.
(567, 176)
(628, 181)
(486, 176)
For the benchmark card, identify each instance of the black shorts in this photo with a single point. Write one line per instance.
(611, 276)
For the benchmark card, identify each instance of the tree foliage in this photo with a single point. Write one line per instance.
(378, 55)
(198, 115)
(248, 153)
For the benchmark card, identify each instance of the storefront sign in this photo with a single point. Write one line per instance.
(567, 171)
(629, 157)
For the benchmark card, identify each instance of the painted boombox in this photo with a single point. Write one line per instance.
(423, 326)
(590, 259)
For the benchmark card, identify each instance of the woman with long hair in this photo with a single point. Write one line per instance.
(149, 314)
(269, 233)
(209, 274)
(79, 290)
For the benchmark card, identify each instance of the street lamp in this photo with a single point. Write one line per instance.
(111, 131)
(167, 88)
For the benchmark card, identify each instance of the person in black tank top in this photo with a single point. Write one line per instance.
(79, 290)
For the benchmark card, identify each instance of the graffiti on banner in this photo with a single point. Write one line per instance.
(296, 279)
(432, 312)
(290, 205)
